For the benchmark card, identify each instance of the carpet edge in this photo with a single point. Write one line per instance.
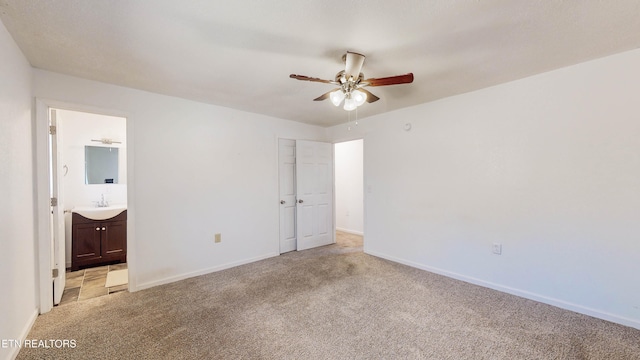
(603, 315)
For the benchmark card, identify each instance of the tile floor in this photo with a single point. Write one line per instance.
(89, 283)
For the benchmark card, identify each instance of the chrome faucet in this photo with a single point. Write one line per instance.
(102, 202)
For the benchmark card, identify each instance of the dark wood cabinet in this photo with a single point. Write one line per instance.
(98, 242)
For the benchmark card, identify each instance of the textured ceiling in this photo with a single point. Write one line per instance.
(239, 54)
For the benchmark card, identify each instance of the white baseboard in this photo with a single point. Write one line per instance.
(175, 278)
(517, 292)
(24, 333)
(350, 231)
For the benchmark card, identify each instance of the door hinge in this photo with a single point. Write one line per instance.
(54, 273)
(54, 201)
(52, 130)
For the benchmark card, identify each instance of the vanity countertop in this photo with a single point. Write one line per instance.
(99, 213)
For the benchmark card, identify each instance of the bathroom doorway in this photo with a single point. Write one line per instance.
(88, 181)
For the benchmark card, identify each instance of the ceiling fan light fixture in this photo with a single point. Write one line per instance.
(350, 104)
(359, 97)
(336, 97)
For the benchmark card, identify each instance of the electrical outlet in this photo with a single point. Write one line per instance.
(218, 238)
(496, 248)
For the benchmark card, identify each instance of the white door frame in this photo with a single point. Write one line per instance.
(42, 201)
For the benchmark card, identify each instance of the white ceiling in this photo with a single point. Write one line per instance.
(239, 54)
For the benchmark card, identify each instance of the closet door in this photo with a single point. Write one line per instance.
(287, 190)
(314, 194)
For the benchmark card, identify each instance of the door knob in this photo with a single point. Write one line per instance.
(282, 202)
(98, 228)
(300, 201)
(104, 229)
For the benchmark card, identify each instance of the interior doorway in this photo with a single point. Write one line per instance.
(349, 186)
(93, 158)
(81, 148)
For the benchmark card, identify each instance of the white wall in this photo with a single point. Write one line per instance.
(348, 186)
(194, 170)
(548, 166)
(75, 131)
(18, 306)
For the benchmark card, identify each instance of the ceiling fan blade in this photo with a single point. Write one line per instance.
(353, 64)
(325, 95)
(370, 97)
(391, 80)
(307, 78)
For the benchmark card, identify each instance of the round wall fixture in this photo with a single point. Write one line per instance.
(407, 126)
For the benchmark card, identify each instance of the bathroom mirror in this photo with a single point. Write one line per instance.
(101, 165)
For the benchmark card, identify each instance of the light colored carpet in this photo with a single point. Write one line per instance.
(334, 302)
(117, 277)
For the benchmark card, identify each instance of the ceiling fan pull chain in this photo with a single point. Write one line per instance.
(356, 116)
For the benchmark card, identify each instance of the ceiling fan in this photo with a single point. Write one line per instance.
(351, 83)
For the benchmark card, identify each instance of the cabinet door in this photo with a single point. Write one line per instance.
(86, 241)
(114, 238)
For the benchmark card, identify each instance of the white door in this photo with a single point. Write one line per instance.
(314, 192)
(57, 213)
(287, 179)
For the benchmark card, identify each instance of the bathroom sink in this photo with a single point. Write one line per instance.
(99, 213)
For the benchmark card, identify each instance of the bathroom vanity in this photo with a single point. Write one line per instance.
(97, 240)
